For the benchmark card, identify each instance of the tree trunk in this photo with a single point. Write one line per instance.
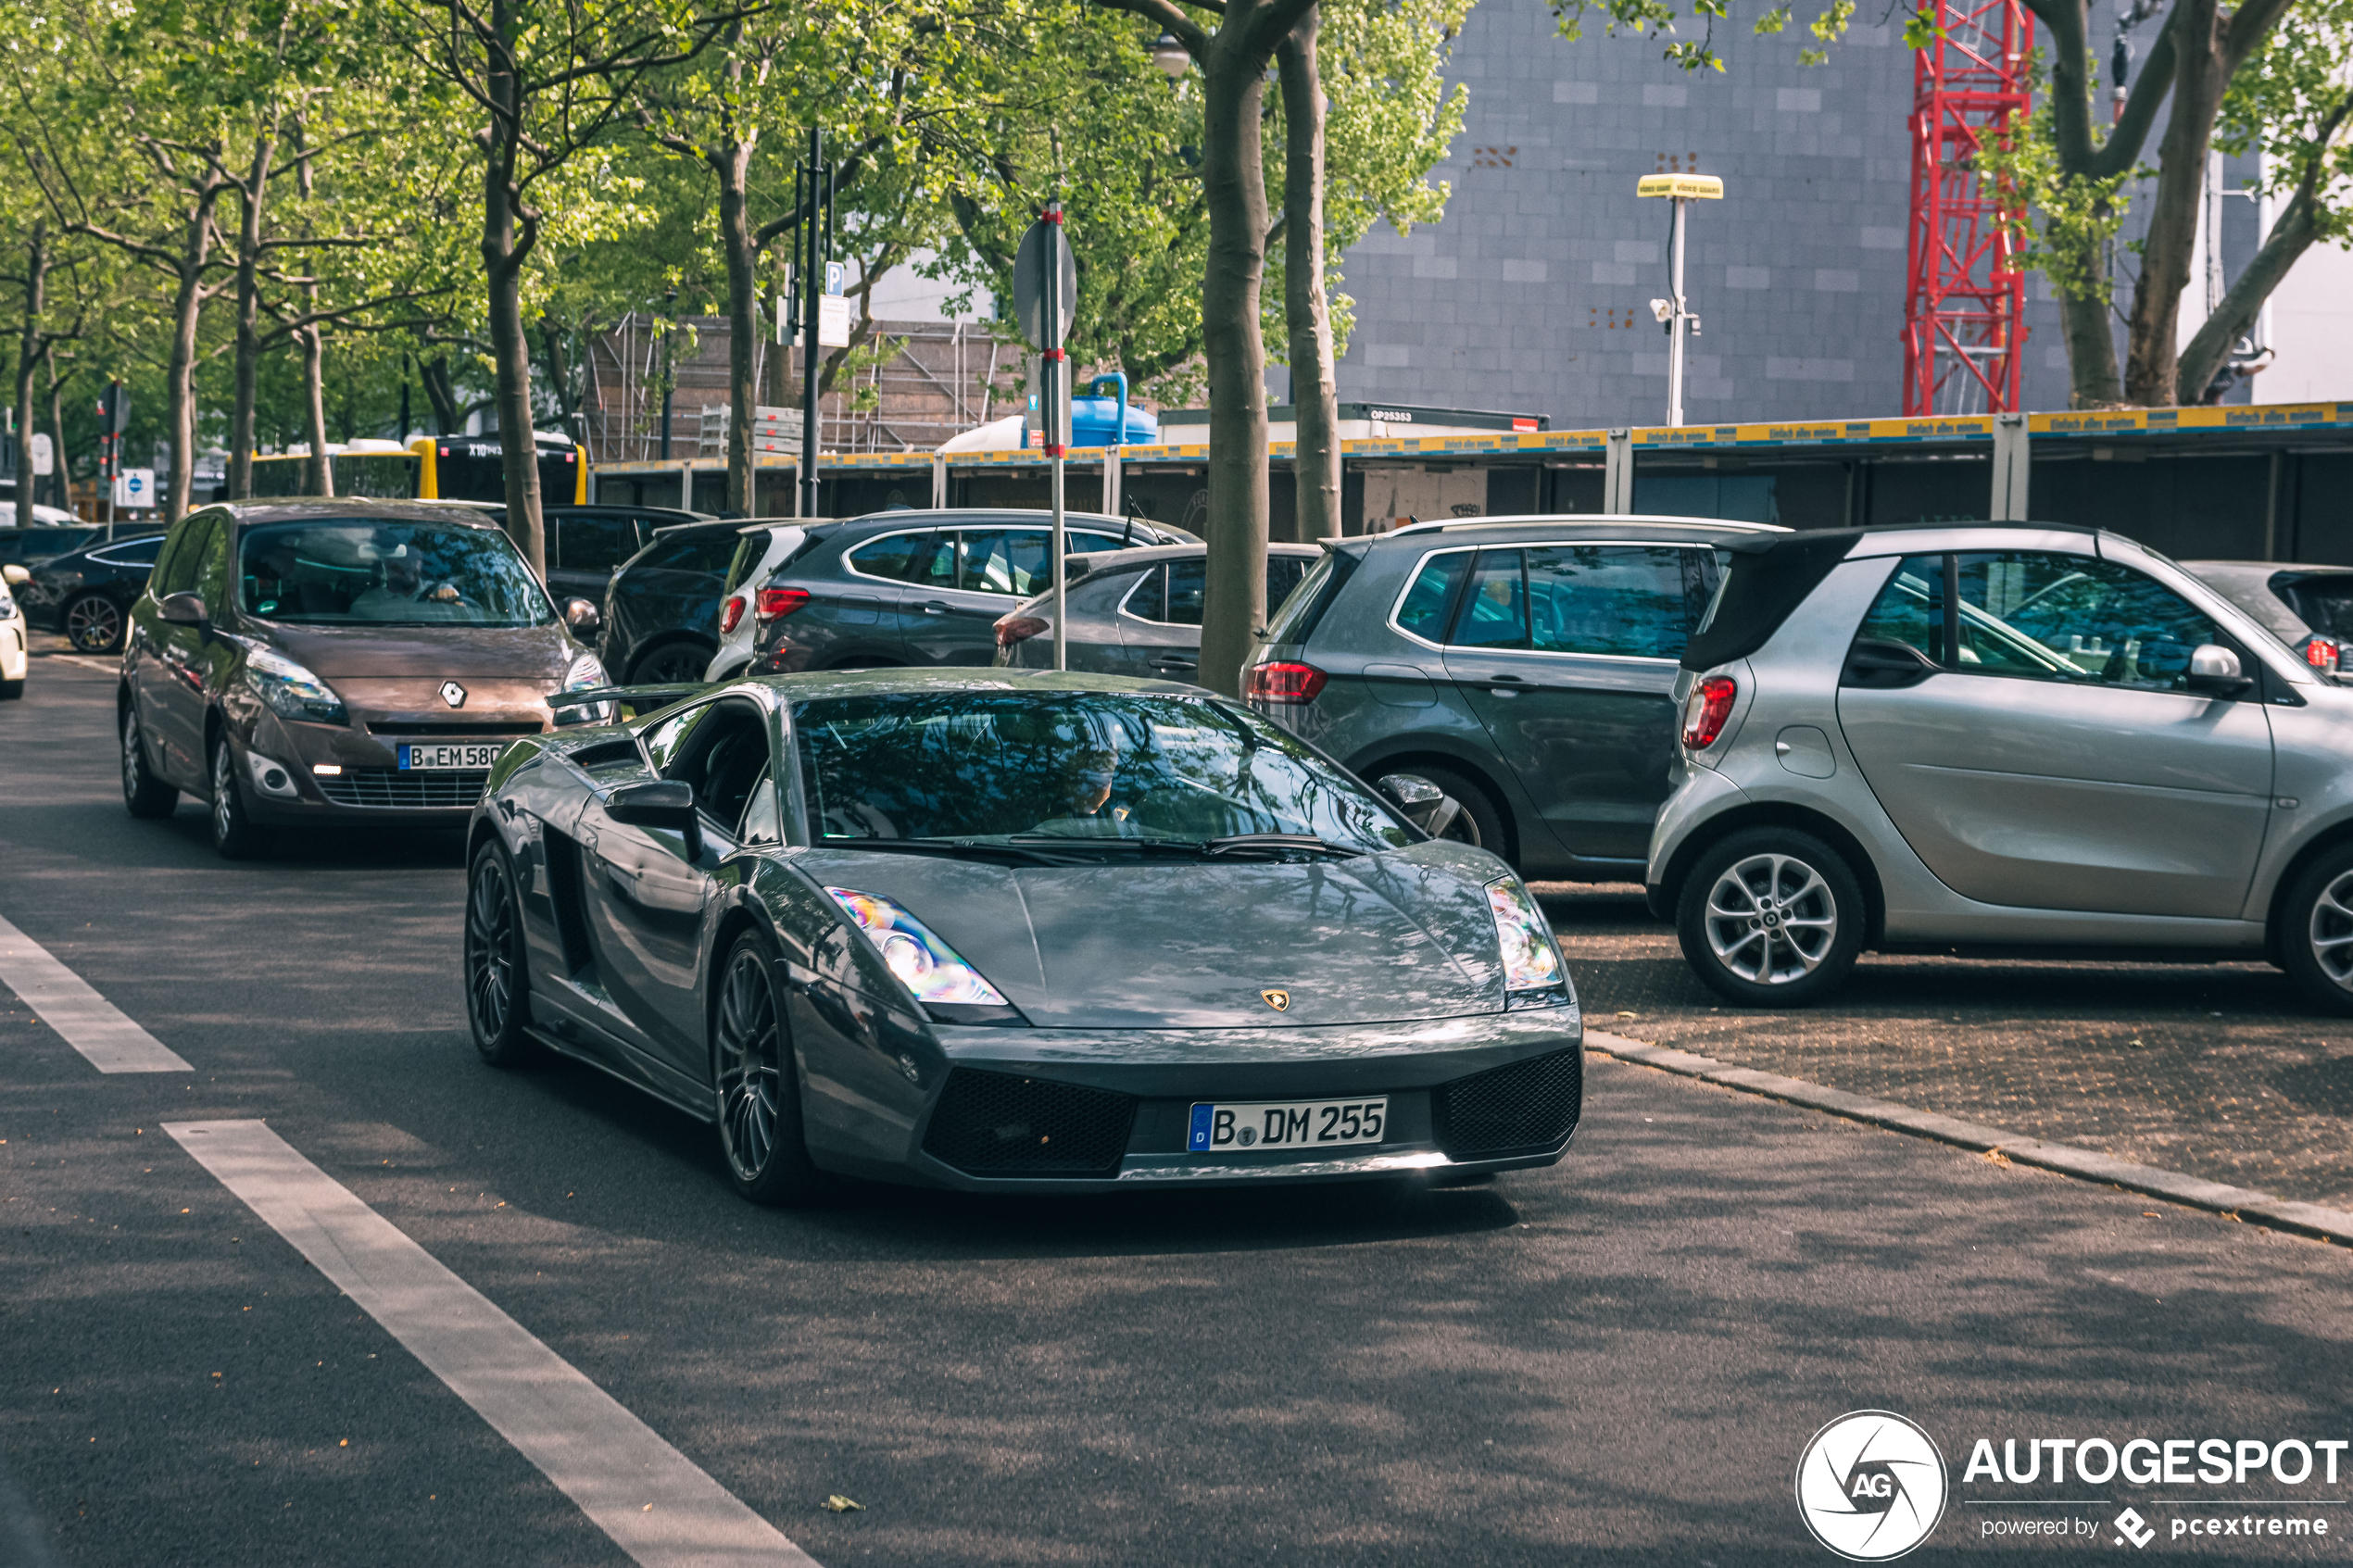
(2291, 235)
(247, 378)
(32, 349)
(180, 370)
(2091, 352)
(2199, 76)
(1233, 178)
(1314, 398)
(502, 259)
(733, 165)
(317, 475)
(441, 393)
(60, 474)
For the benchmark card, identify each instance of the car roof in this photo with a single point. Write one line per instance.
(1667, 530)
(351, 509)
(2264, 567)
(820, 685)
(1103, 563)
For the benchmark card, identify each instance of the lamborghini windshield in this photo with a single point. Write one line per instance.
(1071, 767)
(351, 572)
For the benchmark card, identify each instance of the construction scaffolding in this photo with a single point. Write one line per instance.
(1965, 304)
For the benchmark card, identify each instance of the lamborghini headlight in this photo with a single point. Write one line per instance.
(291, 691)
(934, 971)
(1533, 973)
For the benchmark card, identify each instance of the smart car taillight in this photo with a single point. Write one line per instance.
(1011, 629)
(731, 614)
(1704, 711)
(778, 603)
(1284, 681)
(2321, 653)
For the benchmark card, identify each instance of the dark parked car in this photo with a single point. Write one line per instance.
(924, 588)
(661, 608)
(2308, 607)
(337, 662)
(586, 545)
(1022, 933)
(1135, 613)
(87, 594)
(1525, 666)
(21, 546)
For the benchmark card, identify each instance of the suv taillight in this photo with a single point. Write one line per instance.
(1707, 709)
(1011, 629)
(1284, 683)
(2321, 653)
(731, 614)
(778, 603)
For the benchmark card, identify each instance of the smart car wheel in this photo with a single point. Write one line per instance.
(2317, 941)
(235, 836)
(496, 979)
(1771, 918)
(94, 624)
(759, 1092)
(143, 794)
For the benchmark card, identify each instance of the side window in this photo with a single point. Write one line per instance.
(666, 741)
(1910, 609)
(176, 572)
(722, 758)
(1148, 600)
(1187, 581)
(1010, 560)
(1283, 574)
(1423, 610)
(1494, 614)
(762, 823)
(2074, 618)
(213, 567)
(1625, 599)
(587, 542)
(892, 557)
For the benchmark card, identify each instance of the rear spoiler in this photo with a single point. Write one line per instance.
(641, 698)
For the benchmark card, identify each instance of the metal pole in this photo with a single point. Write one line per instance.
(814, 276)
(1051, 256)
(1675, 324)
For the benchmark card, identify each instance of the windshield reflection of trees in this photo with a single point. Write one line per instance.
(1083, 765)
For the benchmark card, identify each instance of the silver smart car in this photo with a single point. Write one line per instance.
(1997, 737)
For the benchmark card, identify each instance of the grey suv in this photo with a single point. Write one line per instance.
(1998, 738)
(1525, 666)
(918, 587)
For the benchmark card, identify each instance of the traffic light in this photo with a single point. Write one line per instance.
(114, 417)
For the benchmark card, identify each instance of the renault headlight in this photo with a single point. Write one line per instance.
(585, 673)
(926, 965)
(291, 691)
(1533, 973)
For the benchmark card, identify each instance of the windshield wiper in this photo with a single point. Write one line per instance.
(1196, 848)
(951, 848)
(1246, 843)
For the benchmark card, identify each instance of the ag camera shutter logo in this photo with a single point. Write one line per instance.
(1871, 1486)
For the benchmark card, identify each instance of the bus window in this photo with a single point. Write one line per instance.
(277, 476)
(475, 470)
(383, 476)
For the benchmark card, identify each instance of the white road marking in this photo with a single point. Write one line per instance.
(657, 1504)
(89, 1024)
(85, 663)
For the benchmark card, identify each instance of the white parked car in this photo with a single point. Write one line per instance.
(15, 658)
(766, 549)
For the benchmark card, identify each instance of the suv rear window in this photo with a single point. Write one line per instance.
(1305, 609)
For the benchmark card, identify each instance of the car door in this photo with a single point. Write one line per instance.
(867, 608)
(975, 575)
(2054, 758)
(648, 885)
(171, 685)
(1567, 654)
(1162, 617)
(585, 548)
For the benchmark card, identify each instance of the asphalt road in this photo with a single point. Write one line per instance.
(1617, 1361)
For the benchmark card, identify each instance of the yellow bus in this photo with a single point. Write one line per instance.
(448, 468)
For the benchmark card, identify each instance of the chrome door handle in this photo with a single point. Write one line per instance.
(935, 607)
(1174, 664)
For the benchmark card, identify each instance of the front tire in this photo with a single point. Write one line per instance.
(2316, 935)
(497, 984)
(756, 1083)
(144, 795)
(1771, 917)
(236, 836)
(94, 624)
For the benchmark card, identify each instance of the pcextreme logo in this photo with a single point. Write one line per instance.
(1871, 1486)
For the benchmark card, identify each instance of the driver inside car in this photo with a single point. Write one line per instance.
(401, 586)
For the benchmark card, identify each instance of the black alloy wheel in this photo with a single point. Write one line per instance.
(496, 978)
(758, 1090)
(236, 836)
(670, 664)
(144, 795)
(94, 624)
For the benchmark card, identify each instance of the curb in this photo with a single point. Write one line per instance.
(2310, 1220)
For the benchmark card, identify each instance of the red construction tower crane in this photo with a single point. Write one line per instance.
(1965, 309)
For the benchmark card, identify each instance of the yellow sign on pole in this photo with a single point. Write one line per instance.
(1703, 187)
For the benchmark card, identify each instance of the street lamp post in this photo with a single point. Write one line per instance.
(1681, 189)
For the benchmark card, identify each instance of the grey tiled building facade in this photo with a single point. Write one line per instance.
(1533, 291)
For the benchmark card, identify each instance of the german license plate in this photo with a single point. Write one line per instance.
(1222, 1128)
(422, 758)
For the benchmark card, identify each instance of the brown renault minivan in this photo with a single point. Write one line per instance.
(338, 661)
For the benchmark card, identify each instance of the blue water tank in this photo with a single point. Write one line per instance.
(1093, 419)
